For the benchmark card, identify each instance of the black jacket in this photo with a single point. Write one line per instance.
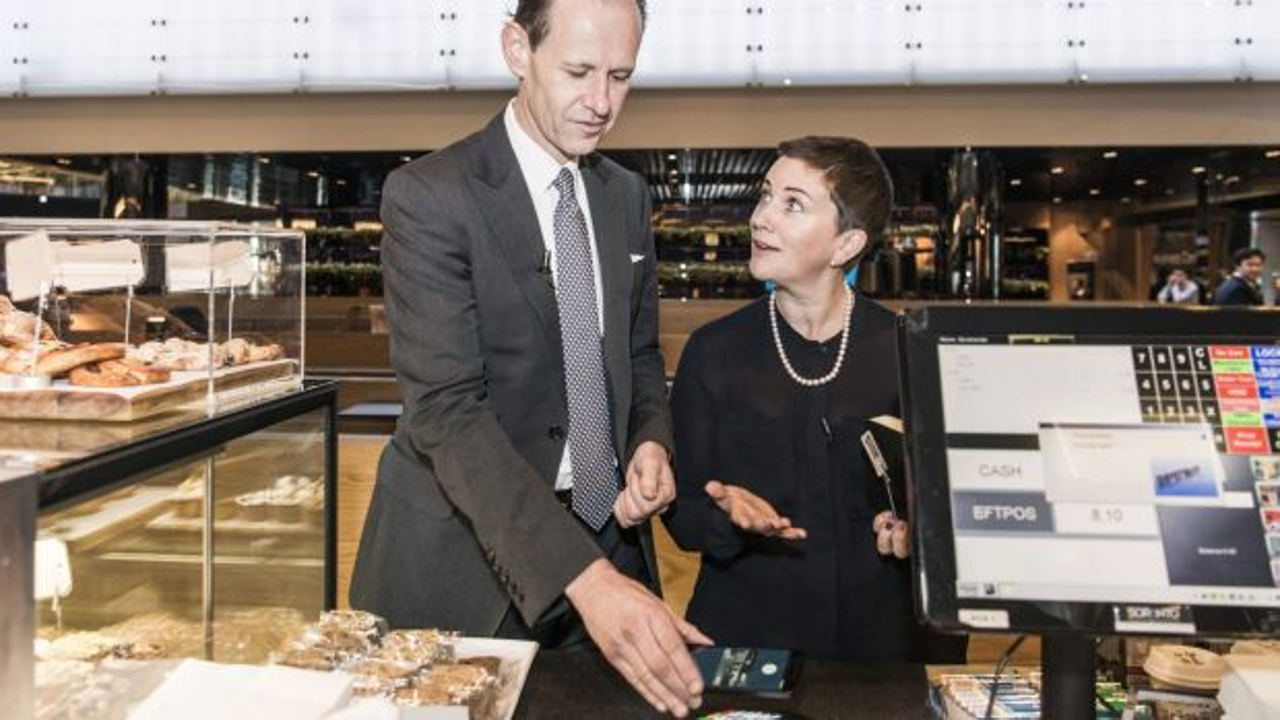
(739, 418)
(1237, 291)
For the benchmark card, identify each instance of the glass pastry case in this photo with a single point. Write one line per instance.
(166, 477)
(120, 320)
(185, 535)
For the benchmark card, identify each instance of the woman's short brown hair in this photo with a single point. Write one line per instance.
(857, 178)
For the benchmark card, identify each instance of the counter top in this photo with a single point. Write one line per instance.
(582, 685)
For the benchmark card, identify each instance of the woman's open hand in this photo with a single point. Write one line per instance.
(750, 512)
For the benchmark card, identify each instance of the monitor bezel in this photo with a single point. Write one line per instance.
(919, 332)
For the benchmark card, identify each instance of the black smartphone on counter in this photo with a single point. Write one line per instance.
(766, 672)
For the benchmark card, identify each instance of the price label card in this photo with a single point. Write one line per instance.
(29, 265)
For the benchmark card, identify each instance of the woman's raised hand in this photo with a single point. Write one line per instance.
(752, 513)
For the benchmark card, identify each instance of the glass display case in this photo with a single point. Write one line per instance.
(123, 320)
(186, 534)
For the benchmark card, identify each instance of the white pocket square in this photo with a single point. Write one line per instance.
(636, 258)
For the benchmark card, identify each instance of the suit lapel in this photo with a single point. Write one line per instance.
(509, 213)
(608, 220)
(508, 210)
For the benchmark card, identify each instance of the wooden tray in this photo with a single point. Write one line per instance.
(64, 401)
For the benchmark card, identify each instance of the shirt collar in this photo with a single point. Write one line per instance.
(540, 170)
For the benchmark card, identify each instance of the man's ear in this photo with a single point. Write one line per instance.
(848, 245)
(516, 50)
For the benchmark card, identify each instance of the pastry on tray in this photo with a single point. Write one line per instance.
(179, 354)
(411, 667)
(118, 373)
(18, 328)
(59, 360)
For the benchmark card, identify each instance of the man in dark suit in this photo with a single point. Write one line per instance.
(1242, 287)
(521, 294)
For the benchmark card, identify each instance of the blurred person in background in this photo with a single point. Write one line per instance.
(1243, 288)
(1179, 289)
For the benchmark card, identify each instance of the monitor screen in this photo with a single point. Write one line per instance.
(1109, 470)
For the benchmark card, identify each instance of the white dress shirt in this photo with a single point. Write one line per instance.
(540, 171)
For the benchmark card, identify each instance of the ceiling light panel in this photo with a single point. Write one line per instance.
(1141, 40)
(1259, 22)
(956, 41)
(233, 46)
(358, 45)
(471, 37)
(138, 47)
(821, 42)
(76, 47)
(700, 44)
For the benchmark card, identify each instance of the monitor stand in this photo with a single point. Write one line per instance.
(1068, 666)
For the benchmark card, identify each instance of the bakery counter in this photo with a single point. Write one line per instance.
(181, 536)
(582, 685)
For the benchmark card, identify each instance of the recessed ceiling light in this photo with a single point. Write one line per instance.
(405, 158)
(1057, 200)
(339, 181)
(1232, 180)
(1057, 170)
(1140, 181)
(1095, 191)
(264, 160)
(1111, 155)
(1273, 154)
(64, 161)
(1015, 182)
(672, 157)
(313, 174)
(1198, 170)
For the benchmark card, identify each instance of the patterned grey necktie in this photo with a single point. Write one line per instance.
(595, 484)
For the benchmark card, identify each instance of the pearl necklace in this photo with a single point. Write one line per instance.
(844, 341)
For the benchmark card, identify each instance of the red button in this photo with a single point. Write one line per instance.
(1236, 385)
(1247, 405)
(1247, 441)
(1228, 352)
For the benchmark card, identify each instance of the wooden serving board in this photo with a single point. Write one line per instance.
(64, 401)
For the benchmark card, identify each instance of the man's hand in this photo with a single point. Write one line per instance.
(640, 636)
(751, 512)
(892, 535)
(650, 485)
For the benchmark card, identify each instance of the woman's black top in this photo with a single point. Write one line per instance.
(741, 419)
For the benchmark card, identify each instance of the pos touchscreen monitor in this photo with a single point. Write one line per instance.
(1087, 471)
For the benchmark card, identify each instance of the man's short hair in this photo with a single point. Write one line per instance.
(857, 178)
(1238, 257)
(535, 17)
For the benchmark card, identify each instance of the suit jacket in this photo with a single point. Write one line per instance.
(1235, 290)
(464, 520)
